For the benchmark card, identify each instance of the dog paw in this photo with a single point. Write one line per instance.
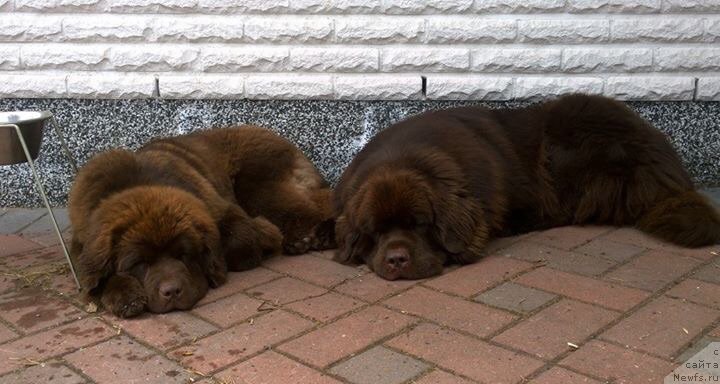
(130, 306)
(298, 246)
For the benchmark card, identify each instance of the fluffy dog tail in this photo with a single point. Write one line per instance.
(688, 219)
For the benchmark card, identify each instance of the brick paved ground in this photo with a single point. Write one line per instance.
(634, 308)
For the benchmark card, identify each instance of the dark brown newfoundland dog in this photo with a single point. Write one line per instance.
(156, 227)
(436, 187)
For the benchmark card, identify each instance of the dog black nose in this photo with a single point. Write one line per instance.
(170, 289)
(397, 258)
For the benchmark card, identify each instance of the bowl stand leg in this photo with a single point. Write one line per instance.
(39, 184)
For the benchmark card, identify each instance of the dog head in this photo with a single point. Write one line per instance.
(162, 236)
(403, 224)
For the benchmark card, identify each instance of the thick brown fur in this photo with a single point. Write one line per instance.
(153, 229)
(436, 187)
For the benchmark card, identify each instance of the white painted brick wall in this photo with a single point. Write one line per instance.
(708, 88)
(110, 85)
(360, 49)
(516, 60)
(650, 88)
(203, 86)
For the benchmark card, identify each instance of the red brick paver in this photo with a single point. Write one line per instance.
(451, 311)
(470, 357)
(230, 310)
(165, 331)
(441, 377)
(568, 238)
(50, 372)
(229, 346)
(273, 368)
(475, 278)
(124, 360)
(314, 269)
(371, 287)
(652, 270)
(634, 306)
(547, 333)
(560, 375)
(610, 250)
(31, 310)
(611, 362)
(662, 327)
(346, 336)
(239, 281)
(286, 290)
(13, 244)
(698, 292)
(568, 261)
(52, 343)
(326, 307)
(585, 289)
(635, 237)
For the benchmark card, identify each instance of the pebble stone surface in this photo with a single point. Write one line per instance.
(329, 132)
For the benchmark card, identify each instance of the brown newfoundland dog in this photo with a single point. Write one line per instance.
(152, 229)
(436, 187)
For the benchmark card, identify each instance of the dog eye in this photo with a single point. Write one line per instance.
(138, 270)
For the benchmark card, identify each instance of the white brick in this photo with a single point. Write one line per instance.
(563, 31)
(275, 86)
(19, 85)
(695, 6)
(708, 89)
(650, 88)
(283, 30)
(197, 29)
(29, 27)
(149, 57)
(150, 6)
(247, 58)
(104, 85)
(334, 59)
(516, 59)
(63, 56)
(426, 6)
(490, 6)
(540, 87)
(465, 87)
(657, 29)
(424, 59)
(334, 6)
(712, 30)
(379, 29)
(55, 5)
(243, 6)
(578, 60)
(687, 59)
(471, 30)
(624, 6)
(106, 28)
(9, 57)
(201, 86)
(378, 87)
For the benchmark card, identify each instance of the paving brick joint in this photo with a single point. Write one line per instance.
(568, 305)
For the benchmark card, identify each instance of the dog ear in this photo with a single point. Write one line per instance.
(213, 263)
(460, 227)
(96, 261)
(349, 242)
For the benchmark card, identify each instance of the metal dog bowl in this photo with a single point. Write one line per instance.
(31, 125)
(21, 133)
